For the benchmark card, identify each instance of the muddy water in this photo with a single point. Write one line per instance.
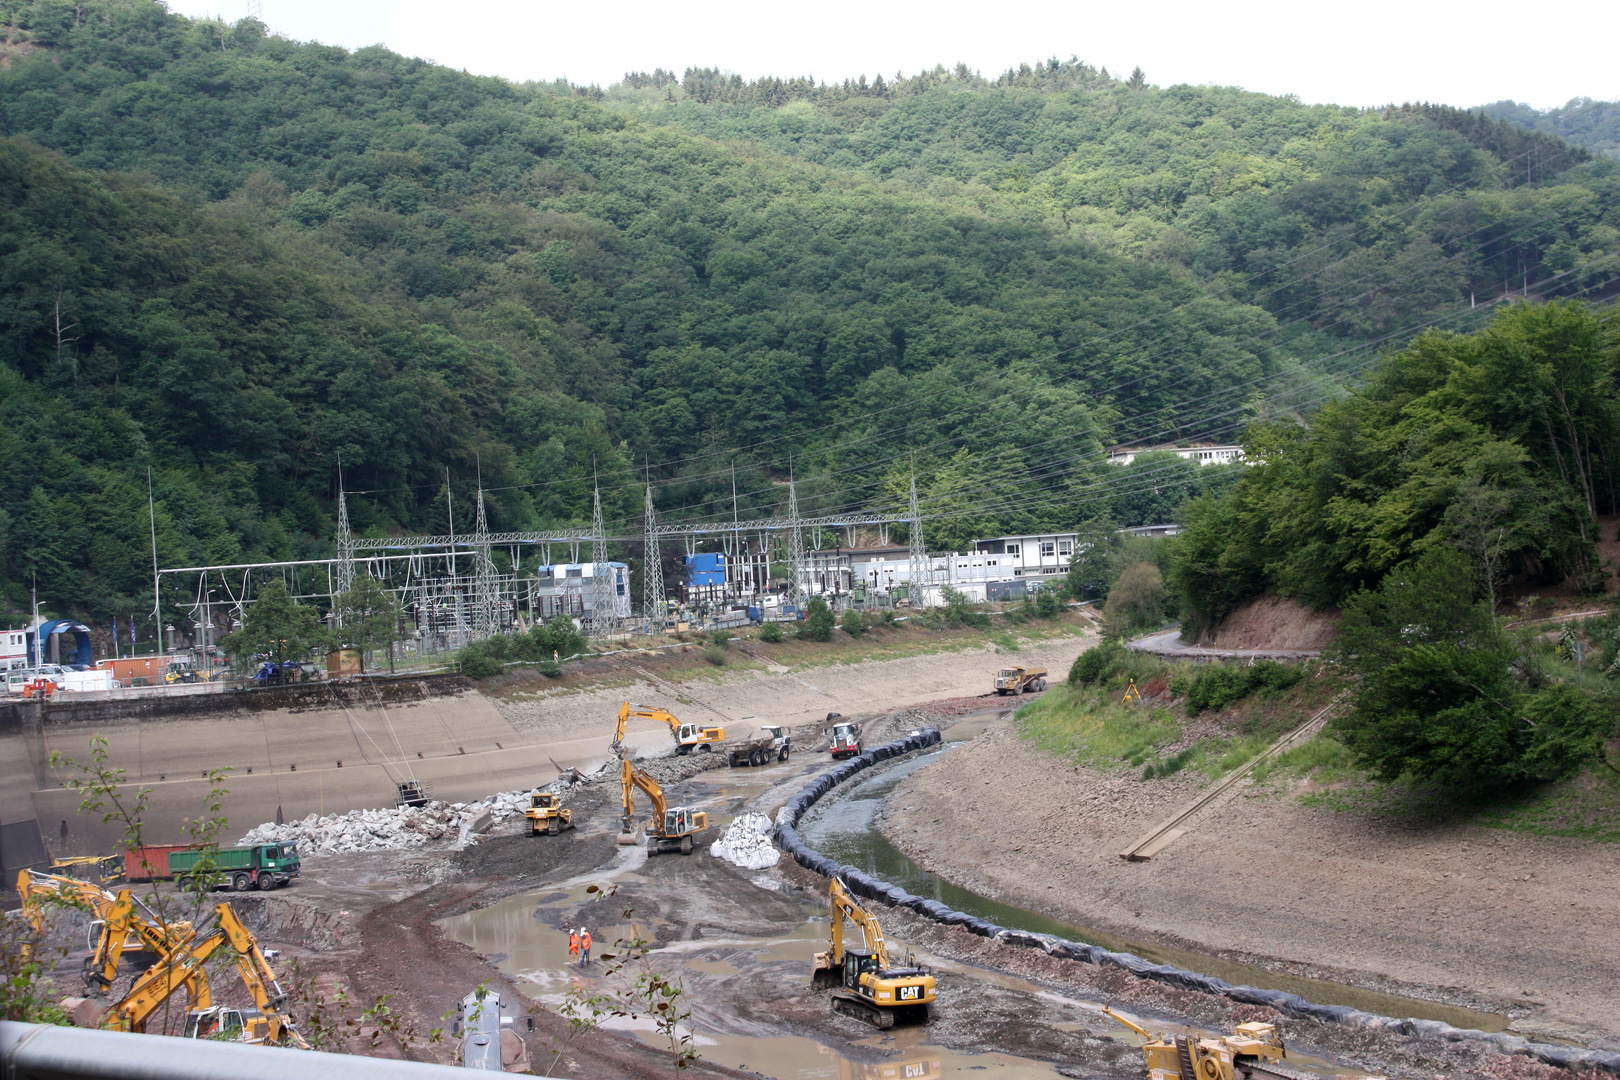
(845, 830)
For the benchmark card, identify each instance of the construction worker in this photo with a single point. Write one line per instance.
(573, 946)
(584, 947)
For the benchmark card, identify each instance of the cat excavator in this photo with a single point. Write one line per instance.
(671, 828)
(864, 984)
(687, 736)
(184, 967)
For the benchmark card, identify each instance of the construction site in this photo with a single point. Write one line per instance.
(840, 862)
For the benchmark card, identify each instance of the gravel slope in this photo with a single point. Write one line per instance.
(1507, 921)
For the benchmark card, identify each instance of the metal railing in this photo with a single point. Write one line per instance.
(46, 1052)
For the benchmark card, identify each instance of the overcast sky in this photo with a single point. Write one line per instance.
(1349, 54)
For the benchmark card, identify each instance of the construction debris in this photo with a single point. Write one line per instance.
(747, 843)
(393, 829)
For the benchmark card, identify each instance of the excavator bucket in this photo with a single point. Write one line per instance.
(628, 833)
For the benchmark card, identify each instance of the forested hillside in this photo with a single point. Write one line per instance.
(1584, 122)
(231, 258)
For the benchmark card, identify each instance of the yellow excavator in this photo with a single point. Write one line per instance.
(184, 967)
(1251, 1052)
(107, 869)
(687, 736)
(116, 926)
(671, 828)
(864, 984)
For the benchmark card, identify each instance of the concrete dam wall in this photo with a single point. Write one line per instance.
(314, 748)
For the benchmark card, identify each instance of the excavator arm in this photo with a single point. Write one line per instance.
(186, 968)
(631, 778)
(843, 907)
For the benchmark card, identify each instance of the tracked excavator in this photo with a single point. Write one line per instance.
(184, 967)
(687, 736)
(120, 924)
(671, 828)
(864, 984)
(1251, 1052)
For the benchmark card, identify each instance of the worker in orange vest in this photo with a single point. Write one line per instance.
(584, 947)
(573, 946)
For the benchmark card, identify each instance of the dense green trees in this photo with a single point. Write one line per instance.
(1438, 697)
(1500, 443)
(239, 257)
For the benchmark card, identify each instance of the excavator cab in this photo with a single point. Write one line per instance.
(858, 962)
(218, 1022)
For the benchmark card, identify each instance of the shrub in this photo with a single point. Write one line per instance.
(1094, 666)
(720, 639)
(715, 655)
(818, 621)
(1048, 604)
(771, 632)
(854, 625)
(1217, 687)
(477, 661)
(1137, 601)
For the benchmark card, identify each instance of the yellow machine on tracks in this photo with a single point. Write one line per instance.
(687, 736)
(671, 828)
(1251, 1052)
(864, 984)
(547, 815)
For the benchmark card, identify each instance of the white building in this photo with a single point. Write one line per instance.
(13, 649)
(1204, 455)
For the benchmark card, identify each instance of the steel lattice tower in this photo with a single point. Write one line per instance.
(922, 571)
(345, 542)
(652, 572)
(795, 547)
(604, 620)
(486, 593)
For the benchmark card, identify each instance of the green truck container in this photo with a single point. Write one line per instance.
(240, 868)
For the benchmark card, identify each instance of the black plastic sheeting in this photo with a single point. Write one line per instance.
(864, 885)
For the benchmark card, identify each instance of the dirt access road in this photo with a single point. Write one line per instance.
(1484, 918)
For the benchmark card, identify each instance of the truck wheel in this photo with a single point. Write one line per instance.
(241, 883)
(266, 882)
(786, 751)
(733, 761)
(184, 882)
(757, 758)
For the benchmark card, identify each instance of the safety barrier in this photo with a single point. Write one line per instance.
(863, 884)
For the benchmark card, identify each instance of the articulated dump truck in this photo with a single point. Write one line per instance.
(1019, 680)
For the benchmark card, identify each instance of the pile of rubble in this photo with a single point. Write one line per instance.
(747, 843)
(394, 830)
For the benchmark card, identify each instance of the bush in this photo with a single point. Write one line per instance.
(818, 621)
(477, 661)
(1048, 604)
(771, 632)
(854, 625)
(1137, 601)
(1216, 687)
(720, 639)
(715, 655)
(1096, 665)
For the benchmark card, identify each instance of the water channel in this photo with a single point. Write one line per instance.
(523, 936)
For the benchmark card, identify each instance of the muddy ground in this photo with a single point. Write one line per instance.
(1483, 918)
(740, 943)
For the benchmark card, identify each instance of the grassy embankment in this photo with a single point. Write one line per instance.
(1236, 714)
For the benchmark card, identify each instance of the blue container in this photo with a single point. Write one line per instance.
(706, 569)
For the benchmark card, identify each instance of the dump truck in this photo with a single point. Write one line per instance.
(547, 815)
(262, 866)
(1251, 1052)
(846, 741)
(1019, 680)
(865, 985)
(771, 740)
